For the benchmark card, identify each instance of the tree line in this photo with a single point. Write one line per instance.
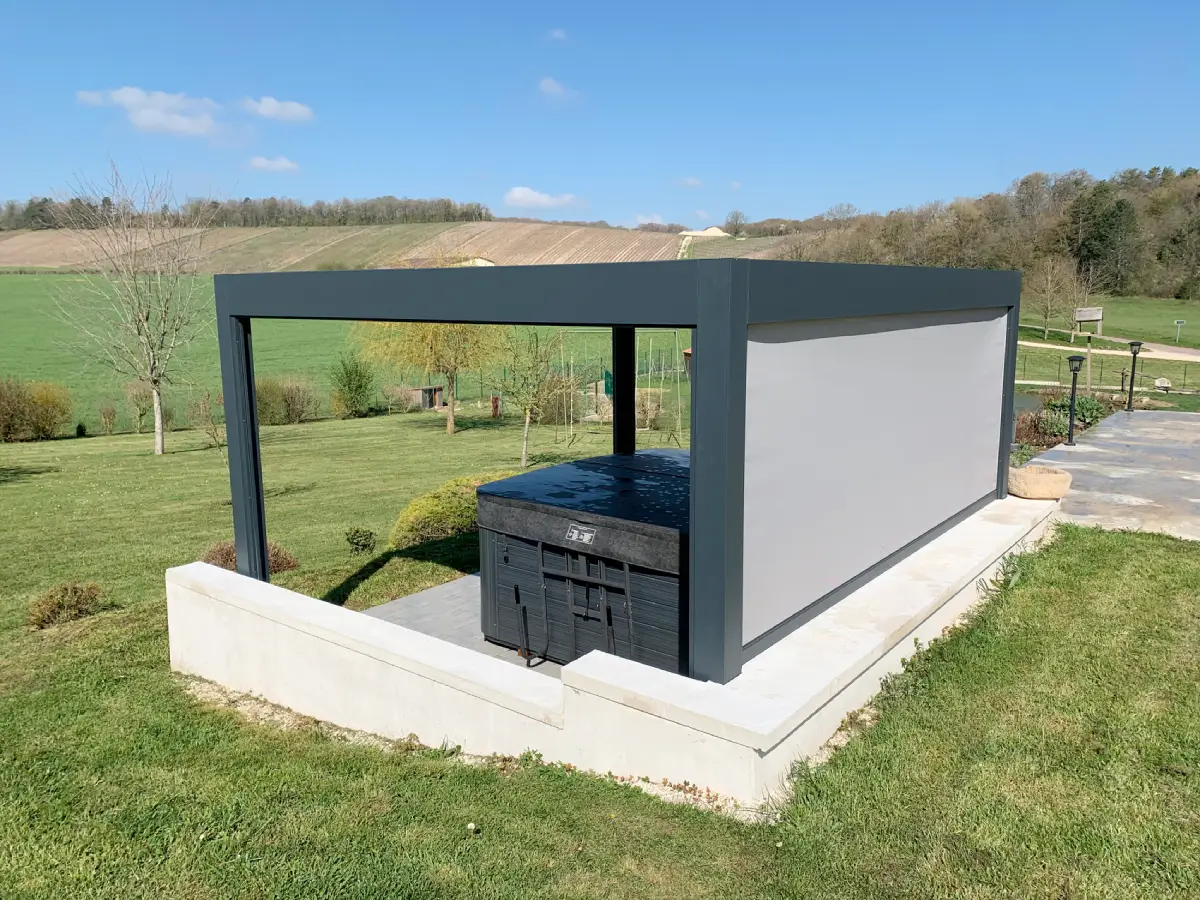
(44, 212)
(1137, 232)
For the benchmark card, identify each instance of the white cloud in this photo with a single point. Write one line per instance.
(273, 164)
(690, 182)
(528, 198)
(282, 110)
(736, 185)
(558, 34)
(552, 88)
(158, 111)
(702, 215)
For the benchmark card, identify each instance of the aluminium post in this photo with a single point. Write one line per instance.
(241, 430)
(624, 398)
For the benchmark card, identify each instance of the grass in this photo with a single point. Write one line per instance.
(1035, 332)
(38, 346)
(1045, 364)
(1053, 749)
(1147, 319)
(720, 248)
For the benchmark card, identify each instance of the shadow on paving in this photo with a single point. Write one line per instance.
(460, 553)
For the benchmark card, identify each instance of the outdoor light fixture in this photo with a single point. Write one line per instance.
(1076, 363)
(1134, 348)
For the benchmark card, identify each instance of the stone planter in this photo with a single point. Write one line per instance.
(1038, 483)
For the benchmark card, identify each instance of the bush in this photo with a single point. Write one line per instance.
(1052, 423)
(559, 401)
(445, 511)
(224, 554)
(32, 412)
(15, 403)
(108, 418)
(353, 381)
(285, 401)
(400, 398)
(140, 400)
(361, 540)
(1088, 410)
(80, 430)
(65, 603)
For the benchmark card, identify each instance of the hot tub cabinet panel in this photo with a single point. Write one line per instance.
(588, 556)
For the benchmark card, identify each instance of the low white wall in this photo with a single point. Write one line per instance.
(607, 713)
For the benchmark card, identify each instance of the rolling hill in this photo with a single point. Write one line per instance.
(378, 246)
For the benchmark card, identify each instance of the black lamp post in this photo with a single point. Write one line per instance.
(1075, 362)
(1134, 348)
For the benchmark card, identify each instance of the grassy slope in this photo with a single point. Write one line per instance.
(1050, 751)
(1148, 319)
(716, 248)
(36, 346)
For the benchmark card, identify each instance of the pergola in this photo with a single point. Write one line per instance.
(720, 300)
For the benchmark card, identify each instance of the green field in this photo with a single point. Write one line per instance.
(1043, 364)
(38, 346)
(1050, 750)
(1146, 319)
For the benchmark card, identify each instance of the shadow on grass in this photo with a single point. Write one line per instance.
(283, 490)
(437, 422)
(14, 474)
(460, 553)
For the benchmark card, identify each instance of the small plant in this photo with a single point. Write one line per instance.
(361, 540)
(224, 554)
(108, 417)
(80, 430)
(446, 511)
(140, 400)
(1088, 410)
(353, 381)
(1052, 422)
(209, 415)
(49, 411)
(66, 603)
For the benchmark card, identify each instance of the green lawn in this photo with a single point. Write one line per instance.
(1044, 364)
(37, 345)
(1147, 319)
(1051, 750)
(1058, 336)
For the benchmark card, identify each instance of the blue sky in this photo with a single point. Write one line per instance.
(678, 111)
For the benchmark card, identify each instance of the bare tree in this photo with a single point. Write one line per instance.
(840, 214)
(525, 380)
(144, 300)
(1049, 290)
(735, 223)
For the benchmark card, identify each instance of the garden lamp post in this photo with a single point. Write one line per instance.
(1075, 362)
(1134, 348)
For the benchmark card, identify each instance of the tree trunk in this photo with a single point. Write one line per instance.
(525, 437)
(158, 420)
(450, 407)
(1046, 330)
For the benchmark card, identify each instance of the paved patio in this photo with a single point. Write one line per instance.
(451, 613)
(1138, 470)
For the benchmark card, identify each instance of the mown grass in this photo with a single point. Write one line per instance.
(1052, 749)
(1146, 318)
(1045, 364)
(1057, 336)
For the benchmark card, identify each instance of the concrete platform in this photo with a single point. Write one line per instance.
(1138, 470)
(604, 713)
(450, 612)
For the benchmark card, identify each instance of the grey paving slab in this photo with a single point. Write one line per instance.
(450, 612)
(1137, 470)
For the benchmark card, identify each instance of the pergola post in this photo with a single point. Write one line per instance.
(718, 459)
(624, 398)
(241, 431)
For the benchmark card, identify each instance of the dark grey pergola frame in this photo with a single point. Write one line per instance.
(718, 299)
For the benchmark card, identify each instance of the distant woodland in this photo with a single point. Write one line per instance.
(1135, 233)
(43, 212)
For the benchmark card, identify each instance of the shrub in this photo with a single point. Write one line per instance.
(1088, 410)
(445, 511)
(80, 430)
(49, 411)
(353, 381)
(224, 554)
(559, 401)
(15, 403)
(108, 418)
(649, 407)
(65, 603)
(361, 540)
(1052, 422)
(400, 398)
(140, 400)
(285, 401)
